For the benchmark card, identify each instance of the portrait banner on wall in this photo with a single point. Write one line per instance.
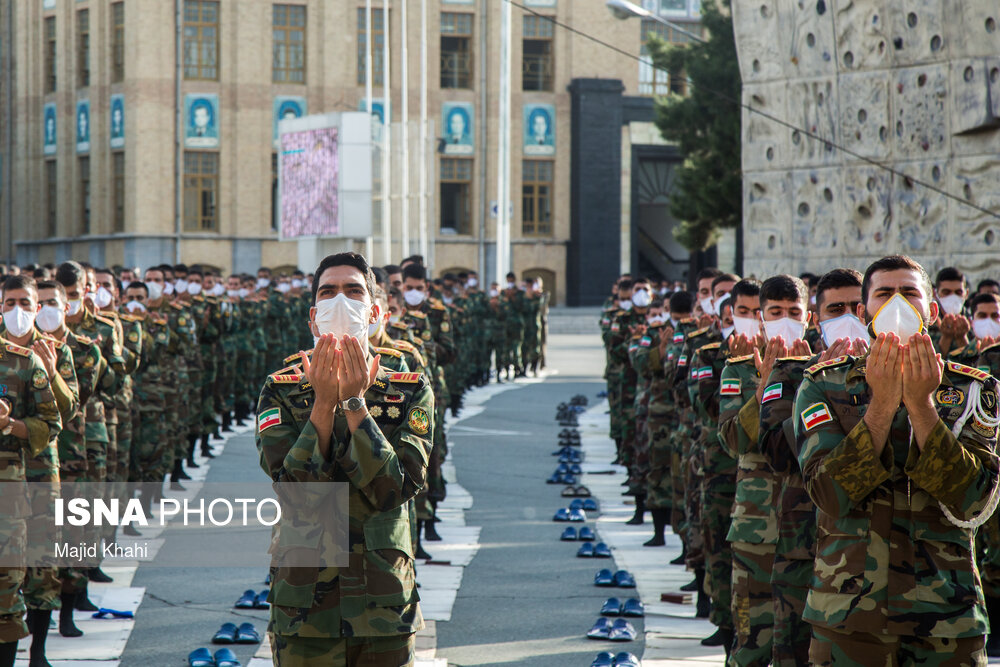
(49, 139)
(48, 4)
(286, 108)
(201, 121)
(310, 172)
(117, 121)
(539, 129)
(456, 125)
(378, 111)
(82, 126)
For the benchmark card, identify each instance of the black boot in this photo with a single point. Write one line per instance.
(206, 448)
(192, 443)
(704, 603)
(38, 625)
(227, 421)
(640, 509)
(97, 575)
(175, 484)
(660, 517)
(179, 467)
(67, 628)
(430, 533)
(419, 552)
(131, 531)
(680, 560)
(722, 637)
(82, 602)
(8, 653)
(239, 413)
(993, 640)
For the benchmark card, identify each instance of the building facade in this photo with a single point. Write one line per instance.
(124, 153)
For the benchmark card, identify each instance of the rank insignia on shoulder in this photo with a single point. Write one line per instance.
(802, 358)
(771, 393)
(404, 377)
(375, 411)
(968, 371)
(286, 378)
(417, 314)
(730, 387)
(297, 357)
(18, 350)
(698, 332)
(709, 347)
(814, 415)
(949, 396)
(268, 418)
(815, 368)
(994, 346)
(687, 320)
(739, 360)
(389, 352)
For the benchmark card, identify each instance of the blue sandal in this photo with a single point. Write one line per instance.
(226, 658)
(200, 657)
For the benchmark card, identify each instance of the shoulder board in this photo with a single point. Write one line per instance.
(403, 345)
(793, 358)
(198, 297)
(400, 325)
(960, 352)
(18, 350)
(968, 371)
(390, 352)
(130, 318)
(86, 340)
(416, 313)
(174, 304)
(438, 306)
(162, 321)
(994, 346)
(699, 332)
(54, 340)
(295, 358)
(101, 318)
(839, 361)
(658, 325)
(686, 320)
(404, 377)
(286, 378)
(738, 360)
(709, 347)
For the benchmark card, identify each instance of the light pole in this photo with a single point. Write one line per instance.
(503, 148)
(623, 9)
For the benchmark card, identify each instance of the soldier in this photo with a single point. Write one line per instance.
(951, 330)
(325, 430)
(897, 451)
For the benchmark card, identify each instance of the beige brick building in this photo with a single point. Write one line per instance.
(100, 105)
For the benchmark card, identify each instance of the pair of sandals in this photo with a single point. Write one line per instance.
(566, 450)
(614, 607)
(618, 630)
(202, 657)
(568, 469)
(561, 478)
(574, 457)
(576, 492)
(230, 634)
(587, 504)
(620, 579)
(591, 550)
(251, 600)
(567, 514)
(586, 534)
(623, 659)
(113, 613)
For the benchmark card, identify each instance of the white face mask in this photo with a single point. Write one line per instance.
(168, 288)
(182, 285)
(510, 285)
(262, 283)
(986, 328)
(233, 293)
(898, 316)
(746, 326)
(786, 327)
(50, 318)
(641, 299)
(284, 288)
(375, 328)
(341, 316)
(494, 293)
(472, 282)
(708, 306)
(812, 300)
(296, 283)
(447, 300)
(102, 298)
(125, 284)
(18, 321)
(133, 306)
(951, 304)
(155, 290)
(244, 292)
(845, 326)
(727, 332)
(194, 289)
(625, 305)
(657, 319)
(75, 306)
(218, 289)
(393, 319)
(414, 297)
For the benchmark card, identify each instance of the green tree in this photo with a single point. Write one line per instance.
(706, 127)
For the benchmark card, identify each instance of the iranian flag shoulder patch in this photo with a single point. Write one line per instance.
(730, 387)
(771, 392)
(268, 418)
(814, 415)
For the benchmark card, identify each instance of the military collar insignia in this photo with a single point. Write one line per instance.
(699, 332)
(297, 357)
(709, 347)
(839, 361)
(18, 350)
(802, 358)
(404, 377)
(739, 360)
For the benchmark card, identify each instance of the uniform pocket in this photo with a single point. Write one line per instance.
(389, 575)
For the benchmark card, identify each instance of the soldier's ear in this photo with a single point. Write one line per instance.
(861, 313)
(935, 311)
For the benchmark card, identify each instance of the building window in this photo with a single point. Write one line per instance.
(83, 48)
(456, 50)
(50, 54)
(538, 67)
(456, 196)
(289, 60)
(658, 82)
(118, 190)
(201, 40)
(536, 198)
(51, 196)
(117, 42)
(275, 217)
(201, 191)
(378, 40)
(84, 195)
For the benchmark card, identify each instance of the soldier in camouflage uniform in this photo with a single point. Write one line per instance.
(636, 389)
(532, 348)
(369, 610)
(899, 493)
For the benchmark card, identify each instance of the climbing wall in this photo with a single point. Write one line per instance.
(914, 86)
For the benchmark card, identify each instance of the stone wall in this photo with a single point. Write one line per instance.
(912, 85)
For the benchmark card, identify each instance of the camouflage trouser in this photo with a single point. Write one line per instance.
(615, 404)
(291, 651)
(42, 587)
(753, 607)
(717, 494)
(659, 479)
(830, 647)
(695, 537)
(988, 555)
(154, 450)
(13, 541)
(790, 585)
(638, 453)
(124, 440)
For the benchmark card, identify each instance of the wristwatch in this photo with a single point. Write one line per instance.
(9, 428)
(353, 404)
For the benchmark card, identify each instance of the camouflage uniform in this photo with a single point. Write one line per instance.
(890, 568)
(374, 601)
(795, 511)
(625, 381)
(988, 536)
(153, 445)
(666, 476)
(644, 357)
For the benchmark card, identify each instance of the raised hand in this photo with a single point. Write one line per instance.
(356, 374)
(922, 368)
(883, 372)
(839, 348)
(775, 350)
(322, 371)
(46, 351)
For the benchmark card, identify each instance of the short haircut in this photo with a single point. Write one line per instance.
(415, 271)
(987, 282)
(746, 287)
(949, 273)
(724, 278)
(416, 259)
(450, 276)
(625, 283)
(982, 298)
(894, 263)
(195, 272)
(656, 303)
(396, 295)
(809, 278)
(138, 284)
(53, 284)
(783, 287)
(265, 270)
(681, 302)
(20, 281)
(345, 259)
(639, 279)
(836, 279)
(511, 276)
(41, 273)
(71, 273)
(181, 268)
(381, 277)
(709, 272)
(391, 269)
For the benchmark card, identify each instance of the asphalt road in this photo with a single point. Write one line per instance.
(526, 599)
